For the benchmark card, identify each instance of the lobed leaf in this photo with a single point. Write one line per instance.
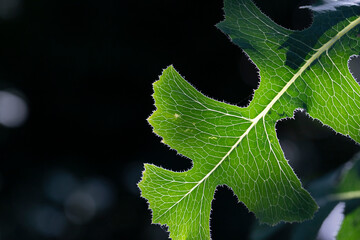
(238, 146)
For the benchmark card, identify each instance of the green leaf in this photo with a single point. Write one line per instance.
(238, 146)
(343, 184)
(350, 227)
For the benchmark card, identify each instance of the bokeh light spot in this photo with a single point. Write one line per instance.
(48, 221)
(101, 192)
(80, 207)
(13, 109)
(10, 8)
(59, 185)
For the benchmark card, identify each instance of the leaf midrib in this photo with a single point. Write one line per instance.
(255, 120)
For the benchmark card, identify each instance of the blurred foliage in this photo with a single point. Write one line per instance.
(350, 227)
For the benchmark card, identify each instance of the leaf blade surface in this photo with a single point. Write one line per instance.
(238, 146)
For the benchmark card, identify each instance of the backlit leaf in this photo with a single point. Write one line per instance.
(238, 146)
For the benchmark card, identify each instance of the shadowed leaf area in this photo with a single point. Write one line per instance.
(340, 185)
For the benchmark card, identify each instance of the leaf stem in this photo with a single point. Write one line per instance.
(344, 196)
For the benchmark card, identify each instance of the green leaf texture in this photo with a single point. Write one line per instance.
(340, 185)
(238, 146)
(350, 228)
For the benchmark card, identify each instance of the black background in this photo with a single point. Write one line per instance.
(85, 69)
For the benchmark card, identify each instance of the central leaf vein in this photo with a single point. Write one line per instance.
(262, 115)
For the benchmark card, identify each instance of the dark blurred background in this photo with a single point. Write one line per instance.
(75, 91)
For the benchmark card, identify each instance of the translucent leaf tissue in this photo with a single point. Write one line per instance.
(238, 146)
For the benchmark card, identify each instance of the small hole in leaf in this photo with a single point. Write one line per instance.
(354, 67)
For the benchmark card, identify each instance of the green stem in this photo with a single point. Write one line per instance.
(344, 196)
